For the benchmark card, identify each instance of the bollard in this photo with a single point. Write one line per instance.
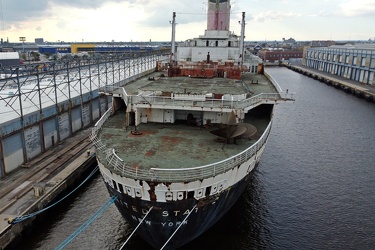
(39, 188)
(88, 153)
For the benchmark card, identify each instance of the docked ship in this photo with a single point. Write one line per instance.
(177, 147)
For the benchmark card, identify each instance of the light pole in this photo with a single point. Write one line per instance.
(23, 39)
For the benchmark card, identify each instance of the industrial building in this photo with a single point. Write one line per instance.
(354, 62)
(9, 59)
(92, 48)
(54, 49)
(279, 55)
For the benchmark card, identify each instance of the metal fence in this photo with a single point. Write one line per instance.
(213, 103)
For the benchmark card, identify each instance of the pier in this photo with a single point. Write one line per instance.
(356, 88)
(41, 182)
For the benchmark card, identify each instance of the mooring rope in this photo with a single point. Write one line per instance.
(87, 223)
(27, 216)
(136, 228)
(178, 227)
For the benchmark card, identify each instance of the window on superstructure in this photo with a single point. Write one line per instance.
(207, 43)
(216, 43)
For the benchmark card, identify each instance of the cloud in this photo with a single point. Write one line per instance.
(324, 13)
(155, 13)
(95, 4)
(353, 8)
(158, 13)
(18, 10)
(274, 15)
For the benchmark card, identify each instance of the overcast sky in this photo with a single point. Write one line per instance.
(144, 20)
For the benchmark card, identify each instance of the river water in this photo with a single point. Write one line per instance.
(313, 189)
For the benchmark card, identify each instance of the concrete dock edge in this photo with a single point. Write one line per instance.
(68, 177)
(366, 92)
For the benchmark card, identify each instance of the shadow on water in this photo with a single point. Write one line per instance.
(33, 235)
(243, 227)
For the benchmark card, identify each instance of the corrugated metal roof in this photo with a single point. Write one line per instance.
(9, 55)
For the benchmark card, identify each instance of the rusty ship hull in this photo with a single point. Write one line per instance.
(168, 216)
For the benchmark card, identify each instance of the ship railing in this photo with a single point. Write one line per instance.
(99, 124)
(211, 170)
(208, 103)
(274, 82)
(182, 174)
(286, 95)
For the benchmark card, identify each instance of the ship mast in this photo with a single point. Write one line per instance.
(242, 39)
(173, 49)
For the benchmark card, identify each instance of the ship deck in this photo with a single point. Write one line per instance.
(171, 146)
(179, 145)
(250, 83)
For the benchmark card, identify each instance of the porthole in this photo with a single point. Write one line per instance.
(138, 193)
(180, 196)
(199, 193)
(169, 196)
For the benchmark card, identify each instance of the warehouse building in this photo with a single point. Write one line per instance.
(279, 55)
(77, 48)
(354, 62)
(9, 59)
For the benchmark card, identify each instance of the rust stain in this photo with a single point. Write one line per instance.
(152, 191)
(144, 133)
(135, 165)
(170, 139)
(107, 136)
(181, 132)
(150, 153)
